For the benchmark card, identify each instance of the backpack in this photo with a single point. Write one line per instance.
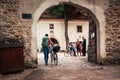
(56, 48)
(45, 42)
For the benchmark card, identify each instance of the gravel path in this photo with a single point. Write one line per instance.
(69, 68)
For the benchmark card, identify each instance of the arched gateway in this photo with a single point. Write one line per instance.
(96, 48)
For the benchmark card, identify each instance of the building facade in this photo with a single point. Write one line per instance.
(55, 28)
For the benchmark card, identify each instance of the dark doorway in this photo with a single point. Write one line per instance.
(54, 40)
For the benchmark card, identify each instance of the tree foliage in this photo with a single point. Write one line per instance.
(64, 11)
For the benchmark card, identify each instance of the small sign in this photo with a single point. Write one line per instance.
(26, 16)
(92, 35)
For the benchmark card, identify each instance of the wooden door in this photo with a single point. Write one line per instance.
(92, 47)
(11, 59)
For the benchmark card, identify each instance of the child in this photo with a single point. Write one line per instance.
(72, 48)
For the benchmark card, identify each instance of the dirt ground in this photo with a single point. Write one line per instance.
(69, 68)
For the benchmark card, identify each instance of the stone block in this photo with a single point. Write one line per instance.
(9, 1)
(107, 49)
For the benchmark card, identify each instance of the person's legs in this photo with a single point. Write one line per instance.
(77, 51)
(84, 52)
(74, 52)
(46, 55)
(71, 54)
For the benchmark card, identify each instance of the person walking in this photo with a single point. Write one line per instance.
(84, 46)
(56, 48)
(45, 46)
(78, 46)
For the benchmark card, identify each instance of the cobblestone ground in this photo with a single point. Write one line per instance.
(68, 68)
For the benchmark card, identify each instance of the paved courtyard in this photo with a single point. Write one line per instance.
(68, 68)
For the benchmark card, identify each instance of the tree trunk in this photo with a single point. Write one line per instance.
(66, 33)
(66, 27)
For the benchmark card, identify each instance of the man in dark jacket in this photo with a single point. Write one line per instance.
(84, 46)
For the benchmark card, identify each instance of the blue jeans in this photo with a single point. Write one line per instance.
(73, 49)
(46, 55)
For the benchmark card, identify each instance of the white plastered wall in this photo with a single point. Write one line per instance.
(43, 28)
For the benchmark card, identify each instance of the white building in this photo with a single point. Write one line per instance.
(55, 29)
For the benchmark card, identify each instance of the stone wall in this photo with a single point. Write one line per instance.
(12, 29)
(9, 27)
(113, 32)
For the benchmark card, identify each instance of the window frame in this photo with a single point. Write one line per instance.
(79, 29)
(51, 26)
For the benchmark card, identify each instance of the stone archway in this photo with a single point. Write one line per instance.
(93, 11)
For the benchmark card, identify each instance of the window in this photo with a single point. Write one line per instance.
(51, 26)
(79, 28)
